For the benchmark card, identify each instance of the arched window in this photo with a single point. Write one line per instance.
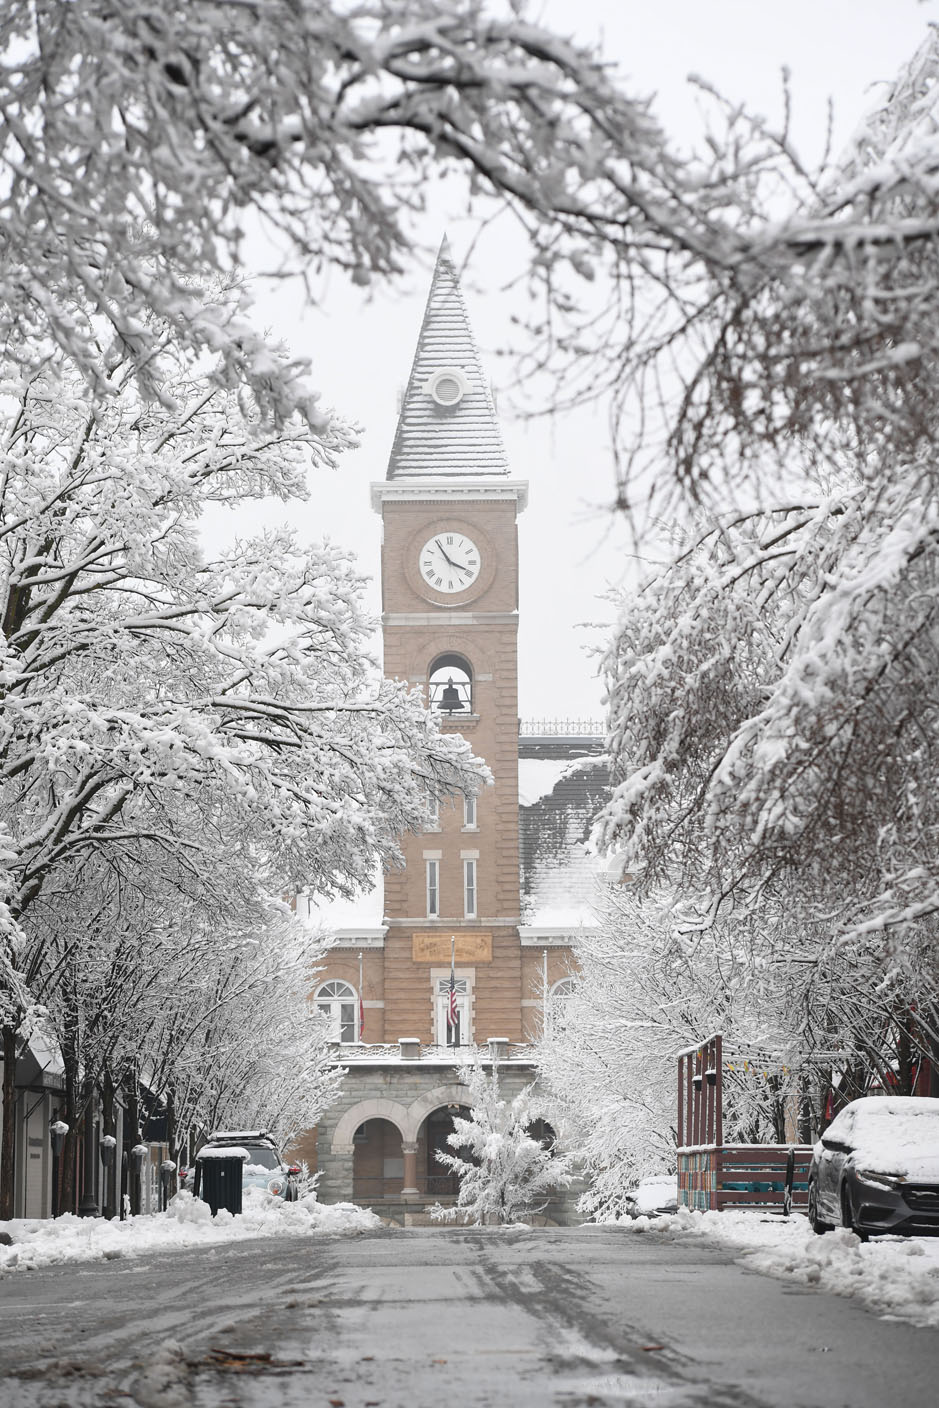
(557, 995)
(561, 989)
(337, 1003)
(450, 684)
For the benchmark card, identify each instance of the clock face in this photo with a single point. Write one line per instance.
(449, 561)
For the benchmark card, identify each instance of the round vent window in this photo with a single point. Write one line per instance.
(447, 387)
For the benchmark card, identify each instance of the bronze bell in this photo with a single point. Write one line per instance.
(450, 700)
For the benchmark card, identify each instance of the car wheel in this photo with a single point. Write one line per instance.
(847, 1215)
(815, 1222)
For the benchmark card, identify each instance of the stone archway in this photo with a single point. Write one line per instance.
(419, 1109)
(436, 1130)
(390, 1110)
(377, 1162)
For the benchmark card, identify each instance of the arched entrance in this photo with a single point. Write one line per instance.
(434, 1134)
(377, 1161)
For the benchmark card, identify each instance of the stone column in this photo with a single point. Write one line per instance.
(410, 1191)
(337, 1183)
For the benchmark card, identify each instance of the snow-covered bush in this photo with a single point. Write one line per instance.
(505, 1174)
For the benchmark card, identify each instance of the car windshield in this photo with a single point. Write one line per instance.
(261, 1156)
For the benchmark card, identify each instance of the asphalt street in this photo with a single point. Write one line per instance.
(414, 1319)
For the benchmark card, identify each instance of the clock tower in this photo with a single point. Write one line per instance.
(450, 621)
(449, 576)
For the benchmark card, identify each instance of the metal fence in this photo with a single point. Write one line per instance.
(561, 728)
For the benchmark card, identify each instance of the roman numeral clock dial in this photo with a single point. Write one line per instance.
(449, 562)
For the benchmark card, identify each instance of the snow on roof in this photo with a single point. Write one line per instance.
(562, 880)
(363, 913)
(538, 777)
(42, 1043)
(437, 436)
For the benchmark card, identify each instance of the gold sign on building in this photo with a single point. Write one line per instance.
(432, 946)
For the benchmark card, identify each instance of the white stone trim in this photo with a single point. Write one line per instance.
(449, 488)
(422, 921)
(455, 617)
(359, 938)
(554, 937)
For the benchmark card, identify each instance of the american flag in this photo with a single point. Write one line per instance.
(451, 1005)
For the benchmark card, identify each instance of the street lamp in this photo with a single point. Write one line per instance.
(167, 1169)
(58, 1129)
(137, 1155)
(107, 1152)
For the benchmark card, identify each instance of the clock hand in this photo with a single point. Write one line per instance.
(444, 553)
(449, 560)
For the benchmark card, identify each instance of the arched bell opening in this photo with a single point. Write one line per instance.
(450, 685)
(377, 1161)
(434, 1135)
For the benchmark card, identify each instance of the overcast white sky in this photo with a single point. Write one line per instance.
(361, 346)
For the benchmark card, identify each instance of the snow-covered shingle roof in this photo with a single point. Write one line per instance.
(434, 439)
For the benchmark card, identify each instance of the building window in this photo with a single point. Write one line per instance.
(556, 997)
(432, 822)
(469, 889)
(450, 1033)
(469, 813)
(336, 1001)
(561, 989)
(433, 889)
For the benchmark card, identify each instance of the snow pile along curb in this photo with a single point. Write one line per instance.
(895, 1276)
(187, 1222)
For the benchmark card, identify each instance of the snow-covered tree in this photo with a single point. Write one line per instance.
(748, 303)
(772, 734)
(800, 1017)
(505, 1174)
(186, 980)
(157, 696)
(771, 688)
(139, 142)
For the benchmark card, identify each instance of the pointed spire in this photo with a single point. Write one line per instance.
(447, 424)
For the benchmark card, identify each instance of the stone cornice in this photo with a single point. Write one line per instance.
(440, 488)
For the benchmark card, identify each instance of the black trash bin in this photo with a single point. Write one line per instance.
(218, 1180)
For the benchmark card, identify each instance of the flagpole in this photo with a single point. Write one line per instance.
(361, 998)
(544, 999)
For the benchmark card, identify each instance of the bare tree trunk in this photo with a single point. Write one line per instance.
(69, 1165)
(132, 1122)
(109, 1127)
(172, 1151)
(8, 1134)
